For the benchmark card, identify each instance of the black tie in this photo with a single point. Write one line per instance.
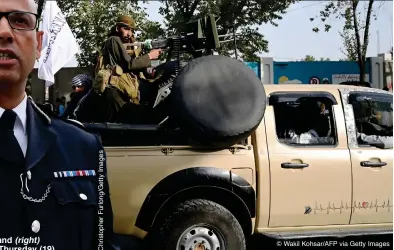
(7, 120)
(11, 168)
(9, 141)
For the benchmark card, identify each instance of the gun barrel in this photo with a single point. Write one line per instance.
(153, 44)
(229, 35)
(133, 44)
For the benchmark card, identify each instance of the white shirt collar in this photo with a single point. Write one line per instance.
(20, 110)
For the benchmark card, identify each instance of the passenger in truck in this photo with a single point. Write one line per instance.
(313, 125)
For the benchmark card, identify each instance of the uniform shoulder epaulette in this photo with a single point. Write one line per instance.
(75, 123)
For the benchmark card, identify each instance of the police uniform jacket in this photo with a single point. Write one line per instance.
(57, 197)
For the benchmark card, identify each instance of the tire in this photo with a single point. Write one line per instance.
(217, 100)
(209, 221)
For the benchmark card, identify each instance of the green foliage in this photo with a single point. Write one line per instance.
(349, 44)
(40, 6)
(357, 22)
(91, 22)
(309, 58)
(244, 15)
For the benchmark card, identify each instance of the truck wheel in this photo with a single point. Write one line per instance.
(199, 225)
(218, 101)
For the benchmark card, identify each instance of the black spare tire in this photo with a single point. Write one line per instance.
(217, 100)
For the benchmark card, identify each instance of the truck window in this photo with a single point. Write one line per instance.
(373, 113)
(304, 118)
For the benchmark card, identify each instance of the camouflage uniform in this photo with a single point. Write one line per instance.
(116, 71)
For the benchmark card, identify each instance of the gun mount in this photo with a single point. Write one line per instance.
(201, 38)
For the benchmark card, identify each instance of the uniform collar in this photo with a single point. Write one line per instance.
(40, 137)
(20, 110)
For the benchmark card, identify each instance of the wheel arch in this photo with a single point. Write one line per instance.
(214, 184)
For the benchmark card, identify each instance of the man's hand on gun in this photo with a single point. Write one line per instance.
(154, 54)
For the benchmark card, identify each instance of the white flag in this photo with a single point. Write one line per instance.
(59, 43)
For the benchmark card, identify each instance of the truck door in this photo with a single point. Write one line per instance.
(309, 160)
(369, 121)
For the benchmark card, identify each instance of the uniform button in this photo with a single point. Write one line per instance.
(35, 226)
(83, 196)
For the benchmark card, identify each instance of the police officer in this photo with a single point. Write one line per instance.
(53, 186)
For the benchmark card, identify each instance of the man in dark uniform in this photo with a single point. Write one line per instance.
(53, 182)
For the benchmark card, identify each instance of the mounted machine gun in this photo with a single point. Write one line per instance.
(200, 39)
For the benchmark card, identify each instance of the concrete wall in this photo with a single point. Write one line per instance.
(378, 71)
(377, 67)
(256, 67)
(267, 74)
(316, 72)
(387, 70)
(37, 88)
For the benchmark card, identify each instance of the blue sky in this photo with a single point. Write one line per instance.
(296, 28)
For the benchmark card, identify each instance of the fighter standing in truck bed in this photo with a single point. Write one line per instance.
(120, 69)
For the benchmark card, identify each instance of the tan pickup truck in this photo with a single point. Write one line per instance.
(320, 163)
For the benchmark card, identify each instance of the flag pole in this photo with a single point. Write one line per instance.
(60, 45)
(40, 8)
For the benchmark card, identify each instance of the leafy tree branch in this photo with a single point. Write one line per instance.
(355, 32)
(243, 15)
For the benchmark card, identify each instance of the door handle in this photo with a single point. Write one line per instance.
(294, 165)
(372, 164)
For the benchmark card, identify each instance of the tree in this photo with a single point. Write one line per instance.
(356, 26)
(40, 6)
(241, 15)
(324, 59)
(91, 21)
(309, 58)
(350, 44)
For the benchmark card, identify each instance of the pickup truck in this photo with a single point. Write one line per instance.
(303, 172)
